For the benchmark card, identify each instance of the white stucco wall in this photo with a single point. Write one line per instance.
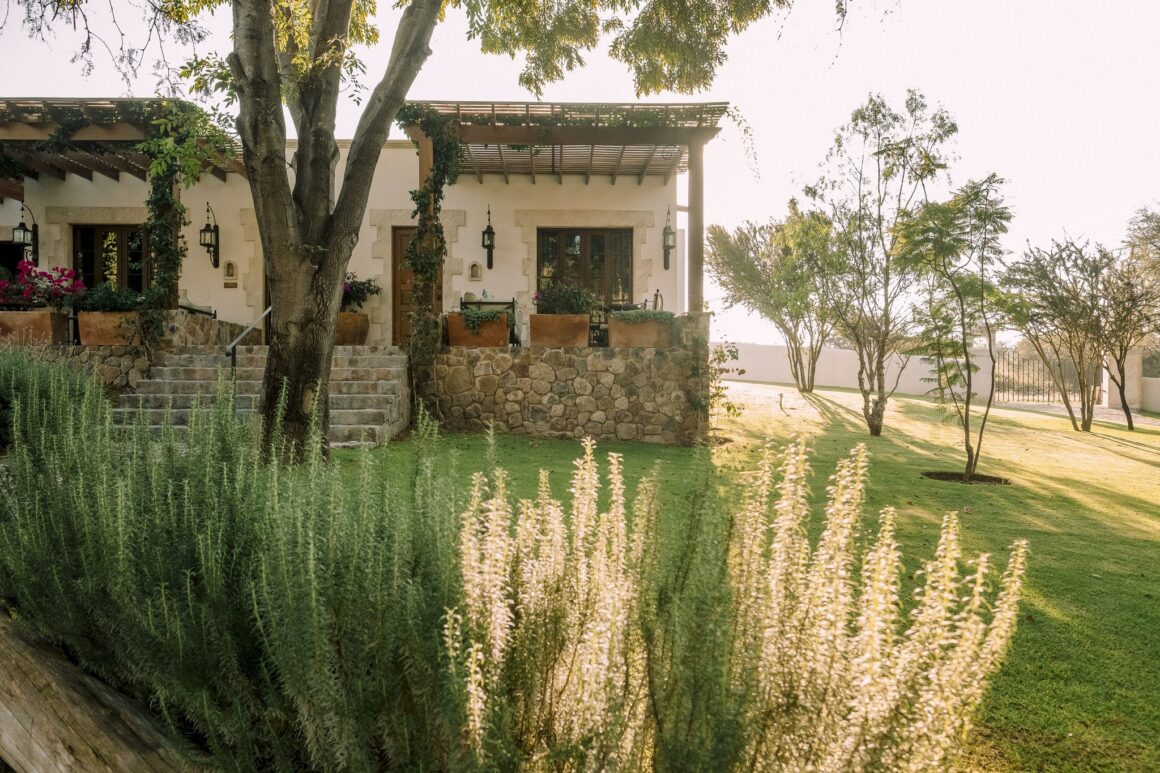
(518, 208)
(839, 368)
(1150, 394)
(1133, 382)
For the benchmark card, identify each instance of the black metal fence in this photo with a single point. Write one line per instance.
(1023, 379)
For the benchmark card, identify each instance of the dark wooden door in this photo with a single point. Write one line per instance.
(402, 279)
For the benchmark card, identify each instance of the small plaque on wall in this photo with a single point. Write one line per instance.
(230, 275)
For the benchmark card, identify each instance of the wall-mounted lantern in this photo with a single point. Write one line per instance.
(489, 238)
(29, 237)
(668, 236)
(210, 236)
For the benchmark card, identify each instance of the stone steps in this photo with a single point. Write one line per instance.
(369, 396)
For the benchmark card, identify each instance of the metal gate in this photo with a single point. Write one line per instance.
(1023, 379)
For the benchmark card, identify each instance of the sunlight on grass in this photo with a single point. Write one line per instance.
(1078, 689)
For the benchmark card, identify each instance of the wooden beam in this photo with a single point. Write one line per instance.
(502, 164)
(11, 189)
(616, 169)
(585, 135)
(696, 234)
(588, 172)
(644, 167)
(560, 166)
(675, 165)
(93, 162)
(114, 132)
(114, 159)
(474, 165)
(35, 162)
(532, 159)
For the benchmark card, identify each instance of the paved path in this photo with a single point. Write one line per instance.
(1109, 415)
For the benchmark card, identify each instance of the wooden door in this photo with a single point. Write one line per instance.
(401, 280)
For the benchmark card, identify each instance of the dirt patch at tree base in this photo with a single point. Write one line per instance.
(957, 477)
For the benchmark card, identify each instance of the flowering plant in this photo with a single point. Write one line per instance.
(355, 291)
(33, 287)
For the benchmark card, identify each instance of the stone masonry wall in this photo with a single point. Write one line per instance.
(650, 395)
(121, 368)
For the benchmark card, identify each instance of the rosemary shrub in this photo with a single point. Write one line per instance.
(319, 618)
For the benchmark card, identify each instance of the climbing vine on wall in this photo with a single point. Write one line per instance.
(427, 249)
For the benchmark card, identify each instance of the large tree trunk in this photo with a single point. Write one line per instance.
(54, 717)
(307, 232)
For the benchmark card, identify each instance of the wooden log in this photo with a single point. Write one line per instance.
(55, 717)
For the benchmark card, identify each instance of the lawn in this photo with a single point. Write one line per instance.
(1081, 688)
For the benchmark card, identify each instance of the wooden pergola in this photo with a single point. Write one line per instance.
(546, 141)
(81, 137)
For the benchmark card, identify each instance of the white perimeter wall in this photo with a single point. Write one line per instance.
(1150, 394)
(839, 368)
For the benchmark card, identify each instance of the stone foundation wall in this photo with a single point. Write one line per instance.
(650, 395)
(119, 367)
(183, 328)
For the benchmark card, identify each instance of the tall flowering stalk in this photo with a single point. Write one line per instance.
(543, 640)
(829, 681)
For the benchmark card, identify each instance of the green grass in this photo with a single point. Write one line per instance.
(1079, 689)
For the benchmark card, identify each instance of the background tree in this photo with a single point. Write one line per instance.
(1143, 240)
(876, 174)
(300, 55)
(769, 269)
(1053, 297)
(956, 244)
(1130, 312)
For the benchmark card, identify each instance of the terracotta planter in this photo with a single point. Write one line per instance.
(559, 329)
(493, 333)
(352, 328)
(34, 327)
(651, 334)
(107, 328)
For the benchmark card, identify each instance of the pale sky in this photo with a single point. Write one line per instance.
(1062, 98)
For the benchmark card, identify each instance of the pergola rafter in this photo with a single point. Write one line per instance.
(61, 137)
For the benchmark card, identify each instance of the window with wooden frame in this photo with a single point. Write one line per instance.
(117, 254)
(597, 259)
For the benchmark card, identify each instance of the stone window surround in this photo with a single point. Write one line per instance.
(529, 221)
(56, 234)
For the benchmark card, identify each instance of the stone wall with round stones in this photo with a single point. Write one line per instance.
(649, 395)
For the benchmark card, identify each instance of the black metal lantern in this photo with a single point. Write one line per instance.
(29, 237)
(668, 237)
(489, 238)
(209, 236)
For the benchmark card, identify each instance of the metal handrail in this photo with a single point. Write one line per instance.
(232, 349)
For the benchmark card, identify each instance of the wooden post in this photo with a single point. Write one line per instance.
(696, 226)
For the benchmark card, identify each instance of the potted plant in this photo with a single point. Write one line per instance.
(353, 325)
(109, 316)
(477, 327)
(562, 315)
(645, 328)
(32, 305)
